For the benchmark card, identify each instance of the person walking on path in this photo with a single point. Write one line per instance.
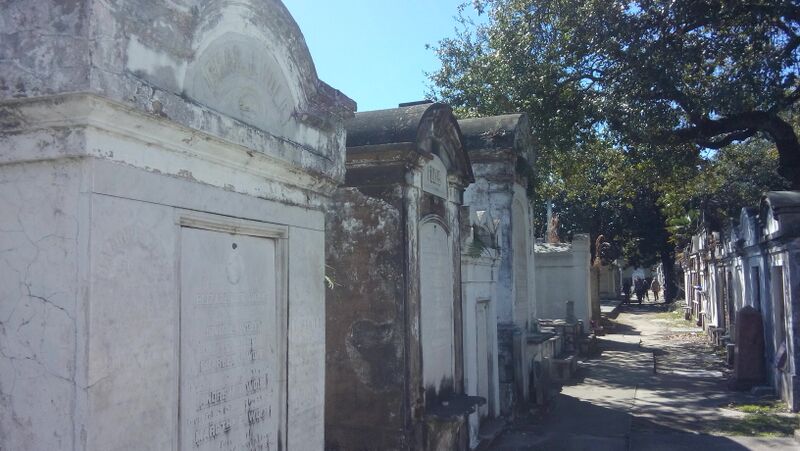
(655, 287)
(640, 288)
(626, 291)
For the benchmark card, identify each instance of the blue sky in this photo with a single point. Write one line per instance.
(374, 50)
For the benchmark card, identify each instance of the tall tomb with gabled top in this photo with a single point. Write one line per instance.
(394, 376)
(164, 167)
(502, 154)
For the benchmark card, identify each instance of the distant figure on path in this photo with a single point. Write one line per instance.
(640, 288)
(655, 287)
(626, 291)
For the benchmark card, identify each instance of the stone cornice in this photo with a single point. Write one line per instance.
(155, 138)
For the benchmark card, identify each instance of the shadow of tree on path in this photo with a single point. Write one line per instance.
(577, 424)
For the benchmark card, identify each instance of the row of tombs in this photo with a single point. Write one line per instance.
(430, 306)
(174, 202)
(743, 287)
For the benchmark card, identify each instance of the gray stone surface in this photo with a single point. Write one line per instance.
(748, 363)
(122, 123)
(501, 148)
(619, 404)
(394, 312)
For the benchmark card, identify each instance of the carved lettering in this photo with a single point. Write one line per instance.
(434, 178)
(228, 342)
(234, 76)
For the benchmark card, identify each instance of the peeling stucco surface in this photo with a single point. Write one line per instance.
(365, 328)
(145, 53)
(115, 119)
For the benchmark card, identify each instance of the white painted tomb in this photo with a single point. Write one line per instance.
(478, 281)
(562, 275)
(161, 227)
(502, 152)
(436, 305)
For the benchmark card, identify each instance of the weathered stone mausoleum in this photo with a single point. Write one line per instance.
(743, 288)
(394, 375)
(563, 275)
(479, 263)
(163, 171)
(501, 151)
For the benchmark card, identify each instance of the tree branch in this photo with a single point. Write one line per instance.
(708, 129)
(791, 46)
(728, 139)
(737, 127)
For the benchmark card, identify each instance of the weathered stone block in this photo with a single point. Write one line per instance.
(394, 312)
(161, 237)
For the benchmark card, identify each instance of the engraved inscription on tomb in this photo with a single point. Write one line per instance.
(228, 349)
(434, 178)
(236, 76)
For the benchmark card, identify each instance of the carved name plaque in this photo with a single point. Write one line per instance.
(434, 178)
(236, 76)
(228, 342)
(436, 289)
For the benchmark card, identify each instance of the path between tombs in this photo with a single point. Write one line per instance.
(618, 403)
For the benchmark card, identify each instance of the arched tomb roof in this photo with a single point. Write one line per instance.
(782, 202)
(245, 59)
(426, 129)
(491, 137)
(780, 214)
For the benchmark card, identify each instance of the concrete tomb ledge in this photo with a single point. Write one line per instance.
(454, 406)
(81, 125)
(540, 337)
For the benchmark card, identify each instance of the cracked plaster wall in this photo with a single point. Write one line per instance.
(375, 392)
(41, 384)
(499, 192)
(478, 284)
(88, 305)
(106, 132)
(114, 116)
(494, 191)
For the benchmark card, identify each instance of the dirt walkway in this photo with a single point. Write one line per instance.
(657, 386)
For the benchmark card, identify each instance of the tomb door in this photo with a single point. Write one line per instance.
(520, 256)
(730, 302)
(484, 355)
(778, 307)
(436, 315)
(755, 284)
(230, 341)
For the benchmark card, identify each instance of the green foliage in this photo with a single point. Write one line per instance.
(763, 407)
(623, 97)
(476, 248)
(735, 177)
(756, 424)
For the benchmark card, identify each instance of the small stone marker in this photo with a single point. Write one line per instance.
(748, 365)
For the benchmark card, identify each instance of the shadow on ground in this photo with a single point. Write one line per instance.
(576, 424)
(648, 390)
